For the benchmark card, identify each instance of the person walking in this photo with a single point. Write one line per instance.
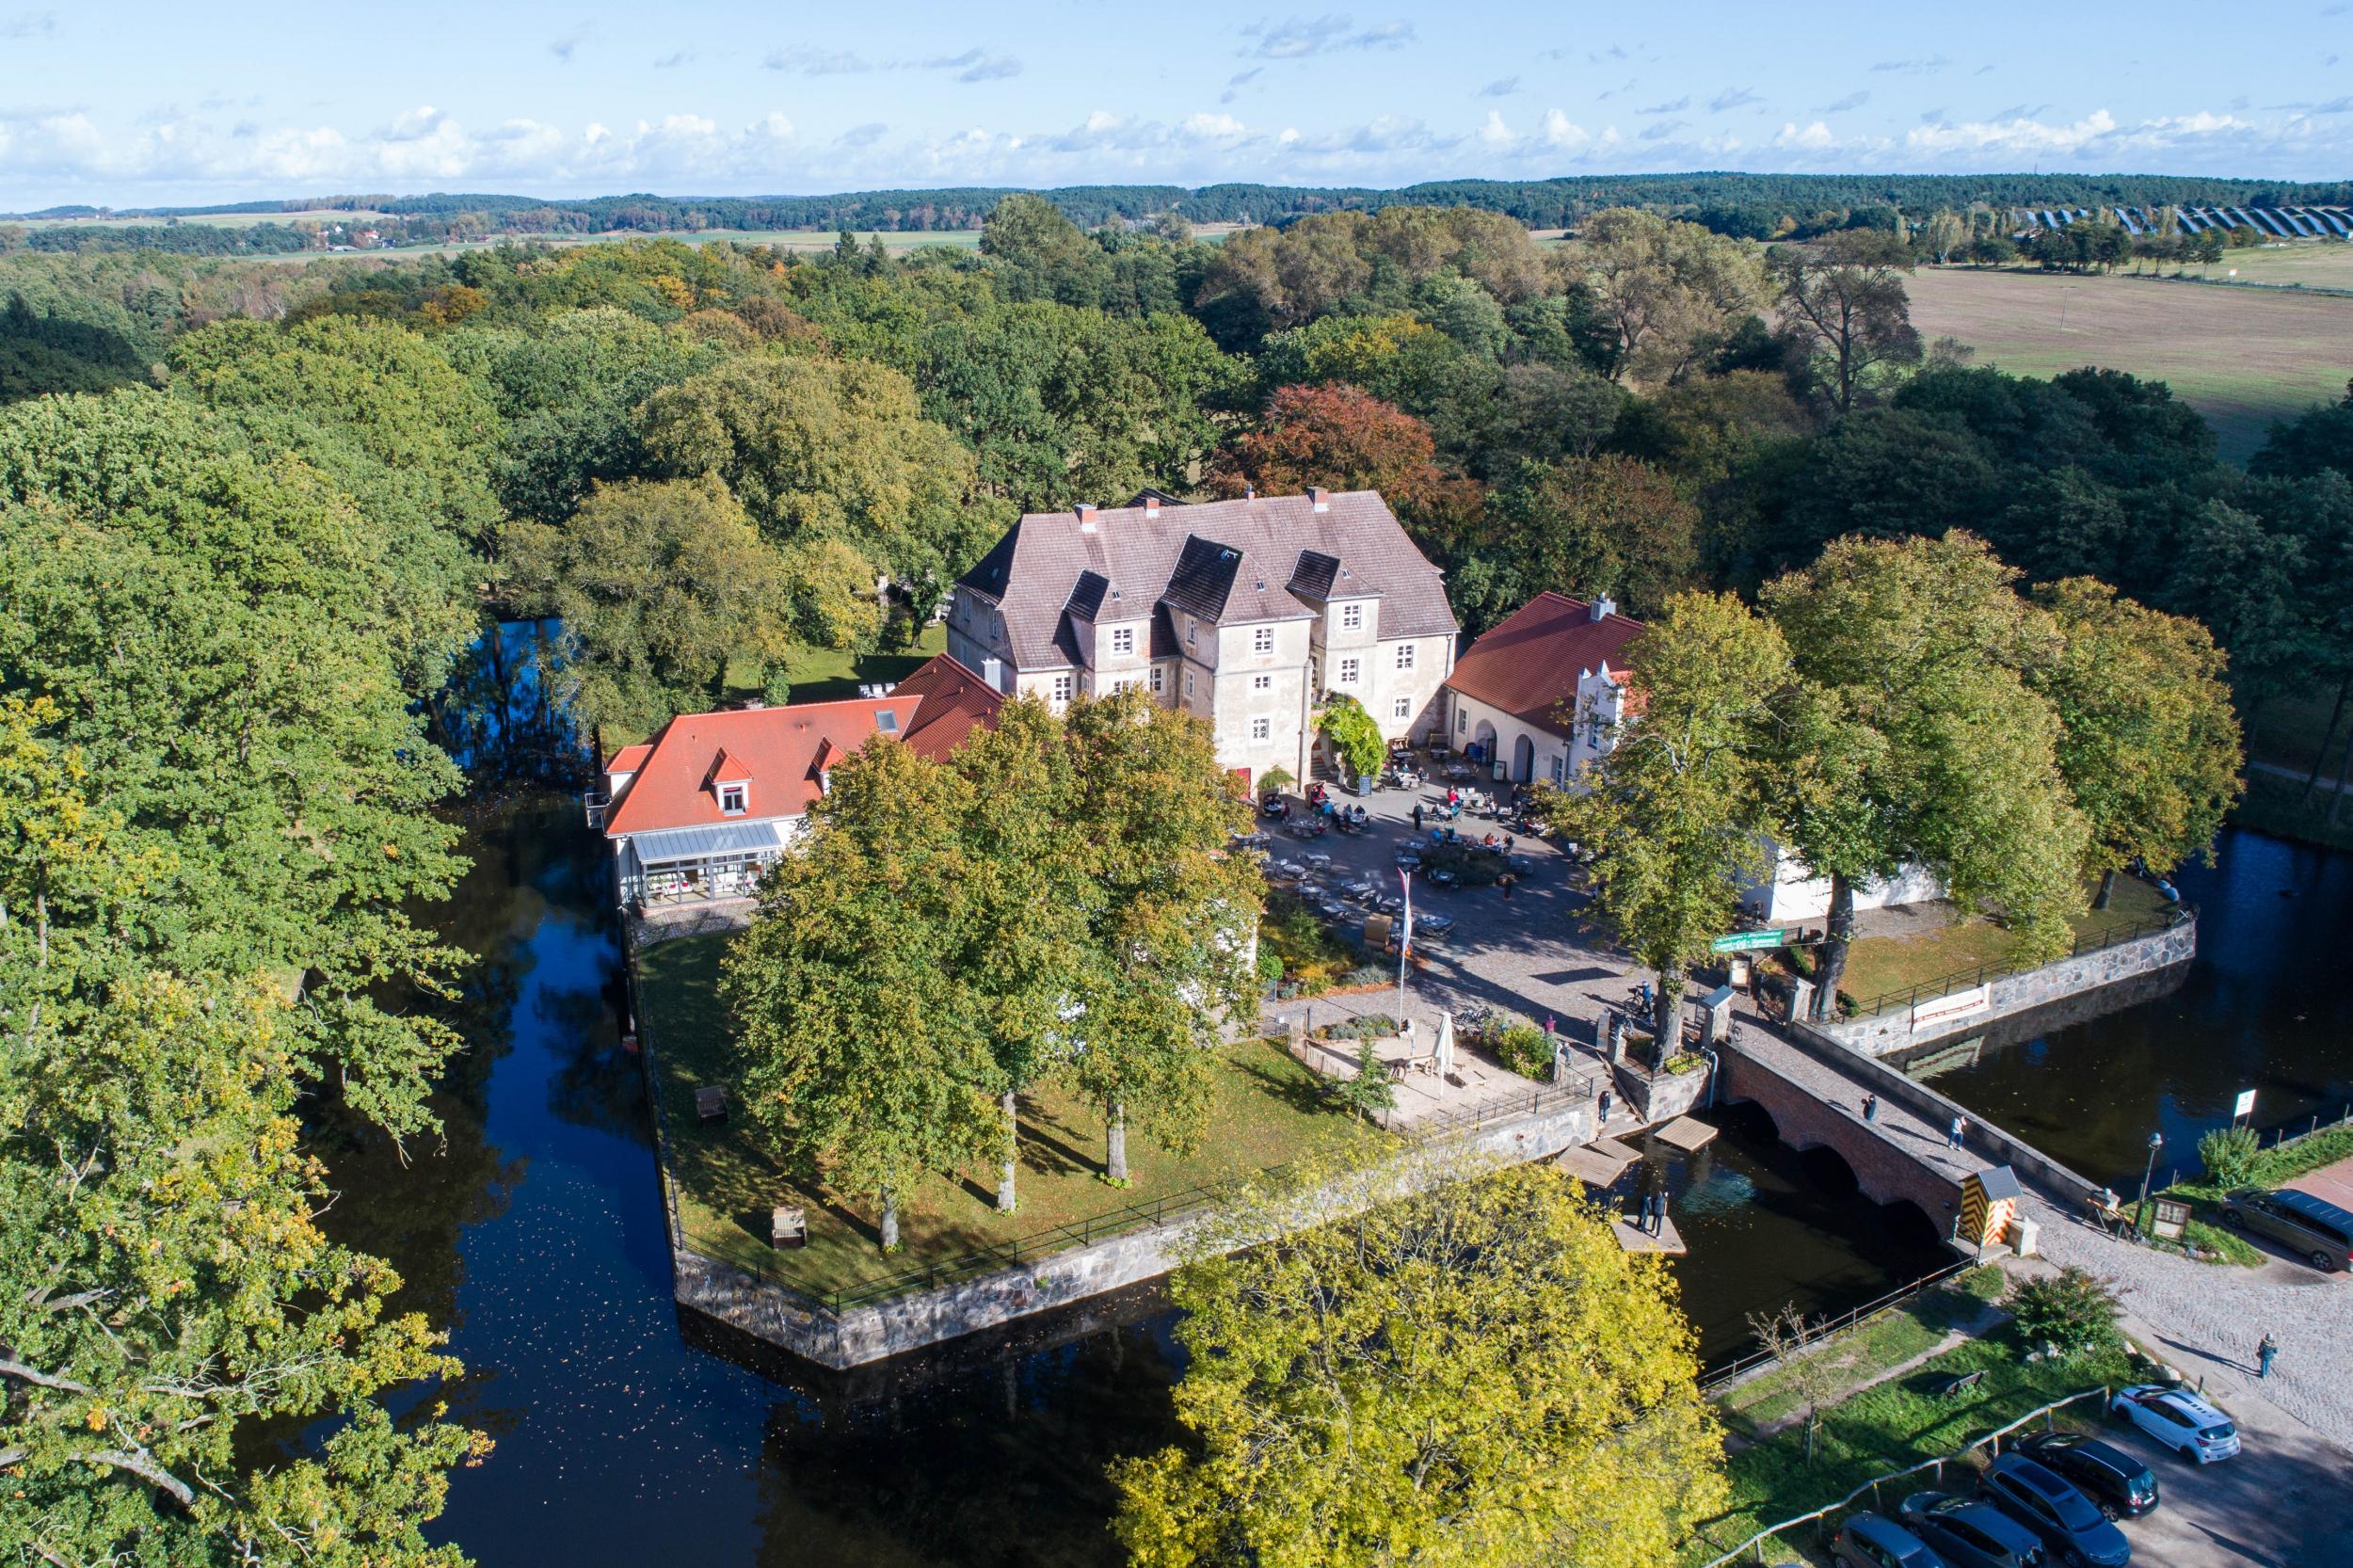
(1870, 1108)
(2265, 1354)
(1605, 1107)
(1418, 816)
(1954, 1133)
(1507, 879)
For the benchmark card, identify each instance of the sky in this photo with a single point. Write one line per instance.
(162, 101)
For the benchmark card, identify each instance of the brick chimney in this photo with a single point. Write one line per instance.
(1151, 506)
(1319, 499)
(1087, 517)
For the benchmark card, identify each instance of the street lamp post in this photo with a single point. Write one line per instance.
(2140, 1214)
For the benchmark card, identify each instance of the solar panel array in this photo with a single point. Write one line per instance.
(2286, 223)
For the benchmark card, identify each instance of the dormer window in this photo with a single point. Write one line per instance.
(1123, 639)
(735, 799)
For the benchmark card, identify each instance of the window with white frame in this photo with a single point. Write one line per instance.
(1062, 687)
(1262, 640)
(1404, 708)
(1352, 617)
(1262, 730)
(1159, 680)
(1188, 682)
(1559, 767)
(733, 799)
(1404, 656)
(1462, 720)
(1123, 639)
(1262, 682)
(1348, 672)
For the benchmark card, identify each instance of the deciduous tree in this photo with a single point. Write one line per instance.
(1677, 805)
(1665, 292)
(1475, 1374)
(1913, 740)
(1843, 302)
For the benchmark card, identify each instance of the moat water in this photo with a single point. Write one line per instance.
(2266, 1004)
(533, 1231)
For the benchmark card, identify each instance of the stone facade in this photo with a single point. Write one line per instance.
(1903, 1029)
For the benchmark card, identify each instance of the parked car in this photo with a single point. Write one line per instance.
(1872, 1540)
(2121, 1484)
(1968, 1533)
(2315, 1227)
(2046, 1502)
(2178, 1418)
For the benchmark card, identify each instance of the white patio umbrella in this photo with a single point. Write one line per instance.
(1446, 1044)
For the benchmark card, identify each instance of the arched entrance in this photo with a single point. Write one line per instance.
(1482, 741)
(1523, 760)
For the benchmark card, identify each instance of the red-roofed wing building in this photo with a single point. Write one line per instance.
(698, 812)
(1538, 696)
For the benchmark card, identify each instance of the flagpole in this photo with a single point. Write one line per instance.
(1404, 939)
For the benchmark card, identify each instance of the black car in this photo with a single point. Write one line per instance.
(2047, 1503)
(2121, 1484)
(1967, 1533)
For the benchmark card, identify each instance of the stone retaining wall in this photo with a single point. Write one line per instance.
(868, 1332)
(1896, 1030)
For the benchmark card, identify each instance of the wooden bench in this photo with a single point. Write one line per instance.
(788, 1227)
(1949, 1385)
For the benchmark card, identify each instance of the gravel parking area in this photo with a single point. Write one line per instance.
(2286, 1502)
(2206, 1319)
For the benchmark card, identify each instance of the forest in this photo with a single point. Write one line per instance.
(1731, 202)
(253, 521)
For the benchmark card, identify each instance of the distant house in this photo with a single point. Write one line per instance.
(1244, 612)
(1538, 696)
(700, 810)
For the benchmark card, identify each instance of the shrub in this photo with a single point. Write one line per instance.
(1370, 1093)
(2229, 1155)
(1525, 1049)
(2073, 1310)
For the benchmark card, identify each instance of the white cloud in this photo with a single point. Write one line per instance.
(1815, 135)
(1852, 101)
(1212, 127)
(803, 60)
(1560, 131)
(29, 24)
(1296, 38)
(1495, 133)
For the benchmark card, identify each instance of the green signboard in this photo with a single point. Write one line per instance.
(1748, 941)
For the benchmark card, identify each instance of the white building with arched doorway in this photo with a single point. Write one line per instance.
(1538, 696)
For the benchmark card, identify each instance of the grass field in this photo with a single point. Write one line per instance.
(1265, 1112)
(210, 221)
(1896, 1424)
(2314, 266)
(2241, 356)
(1879, 965)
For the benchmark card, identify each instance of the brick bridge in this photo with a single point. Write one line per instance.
(1816, 1102)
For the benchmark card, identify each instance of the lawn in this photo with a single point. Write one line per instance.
(2241, 356)
(1879, 965)
(1886, 1428)
(1267, 1110)
(1872, 1348)
(827, 675)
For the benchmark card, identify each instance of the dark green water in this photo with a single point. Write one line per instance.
(2266, 1004)
(626, 1437)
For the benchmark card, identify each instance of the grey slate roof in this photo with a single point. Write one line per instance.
(1230, 561)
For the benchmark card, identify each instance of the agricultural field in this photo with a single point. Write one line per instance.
(2241, 357)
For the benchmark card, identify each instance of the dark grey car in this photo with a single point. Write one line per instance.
(2313, 1228)
(1968, 1533)
(2046, 1502)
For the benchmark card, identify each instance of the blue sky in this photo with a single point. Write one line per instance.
(149, 102)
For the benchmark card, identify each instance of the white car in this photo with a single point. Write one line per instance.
(2179, 1419)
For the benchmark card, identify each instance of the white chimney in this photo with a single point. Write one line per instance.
(1319, 499)
(993, 671)
(1604, 607)
(1087, 517)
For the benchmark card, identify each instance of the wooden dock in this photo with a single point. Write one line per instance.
(1686, 1134)
(1599, 1163)
(1668, 1241)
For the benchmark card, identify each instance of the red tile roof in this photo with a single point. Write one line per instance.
(1528, 664)
(779, 750)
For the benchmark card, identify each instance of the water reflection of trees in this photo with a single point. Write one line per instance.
(999, 1465)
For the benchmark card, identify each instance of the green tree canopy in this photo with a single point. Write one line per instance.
(1678, 805)
(1913, 738)
(659, 585)
(1476, 1374)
